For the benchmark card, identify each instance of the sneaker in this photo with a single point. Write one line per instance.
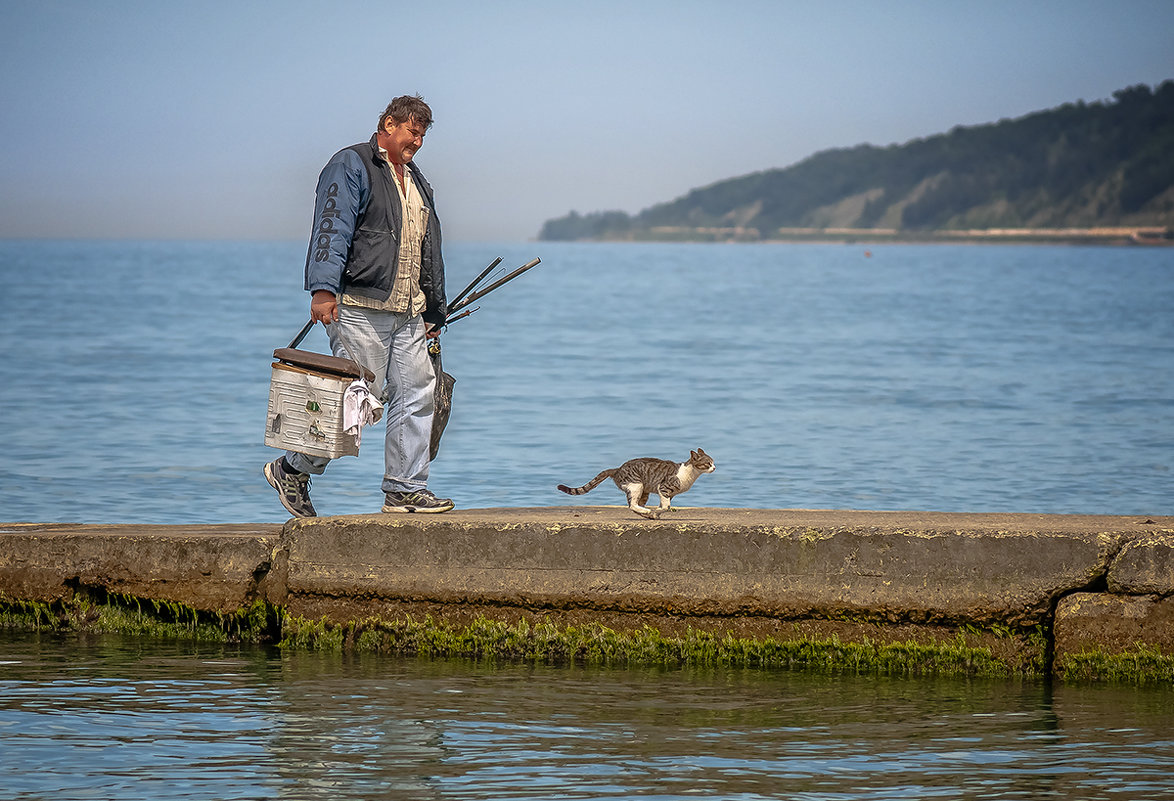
(419, 501)
(292, 488)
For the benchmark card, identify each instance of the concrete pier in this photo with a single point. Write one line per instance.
(1040, 592)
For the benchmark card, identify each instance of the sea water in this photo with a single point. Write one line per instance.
(115, 718)
(134, 377)
(134, 380)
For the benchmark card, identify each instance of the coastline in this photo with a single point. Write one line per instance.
(1142, 236)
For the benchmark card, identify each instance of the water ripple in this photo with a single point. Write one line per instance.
(109, 718)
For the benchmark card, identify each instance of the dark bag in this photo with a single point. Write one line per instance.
(441, 398)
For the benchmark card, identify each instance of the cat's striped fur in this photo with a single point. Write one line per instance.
(639, 478)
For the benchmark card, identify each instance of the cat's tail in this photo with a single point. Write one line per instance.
(590, 485)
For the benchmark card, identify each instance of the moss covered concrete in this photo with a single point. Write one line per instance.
(1073, 596)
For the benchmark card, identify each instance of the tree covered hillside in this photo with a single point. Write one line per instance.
(1077, 166)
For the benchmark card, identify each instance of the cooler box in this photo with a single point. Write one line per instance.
(305, 403)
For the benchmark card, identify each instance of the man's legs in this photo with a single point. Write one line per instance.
(290, 475)
(392, 346)
(356, 329)
(411, 384)
(408, 392)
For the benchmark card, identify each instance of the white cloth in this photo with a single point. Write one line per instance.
(360, 408)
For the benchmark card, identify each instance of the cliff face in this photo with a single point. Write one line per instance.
(1107, 164)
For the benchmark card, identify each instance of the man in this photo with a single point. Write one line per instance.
(376, 278)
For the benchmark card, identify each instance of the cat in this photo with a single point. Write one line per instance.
(639, 478)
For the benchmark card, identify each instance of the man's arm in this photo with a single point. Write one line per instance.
(341, 196)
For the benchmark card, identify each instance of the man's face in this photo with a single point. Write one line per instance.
(402, 139)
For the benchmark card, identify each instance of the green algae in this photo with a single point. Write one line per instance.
(488, 639)
(1143, 664)
(595, 644)
(592, 644)
(112, 613)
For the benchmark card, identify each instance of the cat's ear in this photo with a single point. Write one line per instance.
(700, 452)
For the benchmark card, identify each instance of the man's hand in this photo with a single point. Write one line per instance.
(324, 307)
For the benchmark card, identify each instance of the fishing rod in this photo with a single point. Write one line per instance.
(480, 293)
(474, 282)
(460, 316)
(462, 299)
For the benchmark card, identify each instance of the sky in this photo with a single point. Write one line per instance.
(211, 120)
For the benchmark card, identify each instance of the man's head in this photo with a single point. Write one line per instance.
(402, 127)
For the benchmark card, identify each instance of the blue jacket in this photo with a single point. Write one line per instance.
(354, 245)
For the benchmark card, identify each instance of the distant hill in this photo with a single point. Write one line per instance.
(1079, 166)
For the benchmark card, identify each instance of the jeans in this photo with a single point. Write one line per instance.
(393, 347)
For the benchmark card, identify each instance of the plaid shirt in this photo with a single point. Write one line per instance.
(406, 295)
